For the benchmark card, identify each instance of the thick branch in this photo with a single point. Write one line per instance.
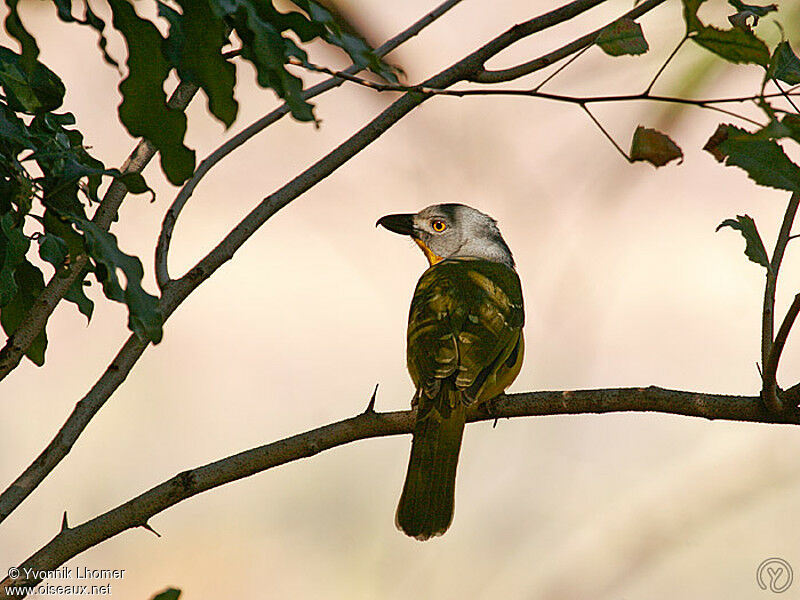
(136, 512)
(36, 319)
(122, 364)
(171, 216)
(769, 354)
(178, 290)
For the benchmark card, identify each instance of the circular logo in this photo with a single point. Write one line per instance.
(775, 575)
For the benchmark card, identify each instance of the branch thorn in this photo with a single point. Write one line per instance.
(371, 405)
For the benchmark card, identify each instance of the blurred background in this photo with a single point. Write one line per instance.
(625, 282)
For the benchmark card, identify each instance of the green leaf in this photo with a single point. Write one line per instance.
(758, 11)
(268, 51)
(144, 110)
(13, 246)
(654, 147)
(763, 159)
(622, 37)
(201, 59)
(754, 247)
(76, 295)
(339, 32)
(31, 91)
(690, 8)
(29, 283)
(27, 43)
(53, 249)
(92, 20)
(746, 12)
(784, 65)
(734, 45)
(168, 594)
(144, 314)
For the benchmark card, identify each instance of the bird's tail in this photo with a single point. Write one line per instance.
(426, 505)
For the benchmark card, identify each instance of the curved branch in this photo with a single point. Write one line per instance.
(126, 358)
(171, 216)
(464, 69)
(500, 75)
(770, 354)
(36, 318)
(71, 541)
(178, 290)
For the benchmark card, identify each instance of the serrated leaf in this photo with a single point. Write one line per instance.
(623, 36)
(784, 65)
(754, 247)
(201, 60)
(654, 147)
(144, 110)
(168, 594)
(763, 159)
(734, 45)
(13, 246)
(53, 249)
(31, 91)
(29, 283)
(144, 315)
(341, 33)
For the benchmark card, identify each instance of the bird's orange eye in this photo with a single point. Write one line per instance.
(438, 226)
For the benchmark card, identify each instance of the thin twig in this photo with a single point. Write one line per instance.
(500, 75)
(771, 366)
(666, 62)
(552, 75)
(770, 355)
(707, 103)
(369, 424)
(171, 216)
(605, 133)
(786, 95)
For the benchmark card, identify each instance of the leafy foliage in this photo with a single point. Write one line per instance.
(761, 157)
(47, 177)
(754, 247)
(736, 45)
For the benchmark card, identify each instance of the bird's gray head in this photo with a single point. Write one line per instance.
(452, 231)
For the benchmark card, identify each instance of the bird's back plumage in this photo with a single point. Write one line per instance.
(465, 345)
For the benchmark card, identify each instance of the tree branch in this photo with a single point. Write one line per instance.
(136, 512)
(171, 216)
(130, 352)
(498, 76)
(770, 355)
(178, 290)
(36, 318)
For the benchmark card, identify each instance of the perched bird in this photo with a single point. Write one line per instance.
(464, 346)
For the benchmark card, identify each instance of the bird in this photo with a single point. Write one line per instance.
(464, 347)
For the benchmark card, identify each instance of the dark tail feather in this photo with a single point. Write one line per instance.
(426, 505)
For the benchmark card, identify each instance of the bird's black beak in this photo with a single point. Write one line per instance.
(402, 224)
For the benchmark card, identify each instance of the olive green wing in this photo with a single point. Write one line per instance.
(466, 320)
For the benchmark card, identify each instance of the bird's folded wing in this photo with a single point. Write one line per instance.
(465, 321)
